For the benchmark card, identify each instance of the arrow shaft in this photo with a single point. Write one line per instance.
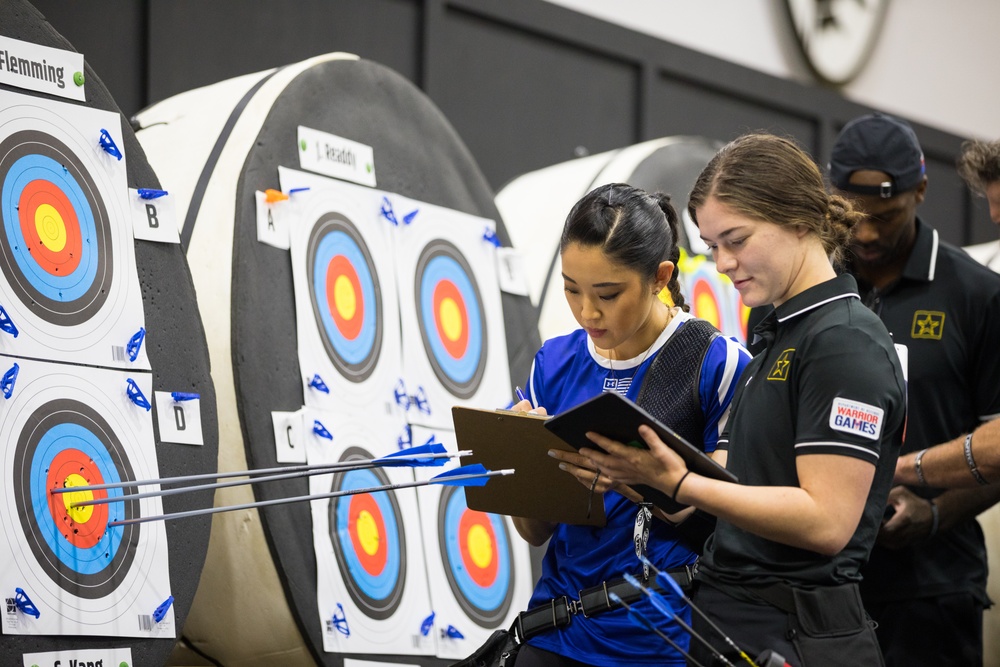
(299, 499)
(248, 473)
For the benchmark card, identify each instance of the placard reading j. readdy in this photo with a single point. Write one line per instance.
(330, 155)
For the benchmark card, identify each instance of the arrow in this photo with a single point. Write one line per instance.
(432, 454)
(470, 475)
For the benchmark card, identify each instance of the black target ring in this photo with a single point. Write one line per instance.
(485, 594)
(375, 577)
(82, 306)
(452, 319)
(336, 254)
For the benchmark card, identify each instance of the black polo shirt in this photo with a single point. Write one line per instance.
(829, 382)
(946, 309)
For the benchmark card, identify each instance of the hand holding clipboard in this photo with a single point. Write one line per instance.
(617, 418)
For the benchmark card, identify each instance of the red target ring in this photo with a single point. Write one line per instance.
(50, 227)
(345, 298)
(451, 318)
(82, 527)
(367, 529)
(477, 544)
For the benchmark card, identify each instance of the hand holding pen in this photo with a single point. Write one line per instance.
(524, 404)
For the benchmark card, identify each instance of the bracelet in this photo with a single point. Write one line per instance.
(972, 463)
(935, 518)
(678, 487)
(919, 468)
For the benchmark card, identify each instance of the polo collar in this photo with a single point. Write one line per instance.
(922, 263)
(841, 287)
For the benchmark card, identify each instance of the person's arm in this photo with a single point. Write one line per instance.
(947, 466)
(820, 515)
(914, 520)
(534, 531)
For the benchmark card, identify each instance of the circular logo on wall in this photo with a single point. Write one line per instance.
(836, 36)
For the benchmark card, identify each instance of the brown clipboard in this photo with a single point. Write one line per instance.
(538, 489)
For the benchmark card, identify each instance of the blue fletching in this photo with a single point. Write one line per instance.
(654, 597)
(671, 584)
(473, 469)
(415, 456)
(632, 580)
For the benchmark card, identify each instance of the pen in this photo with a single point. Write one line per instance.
(520, 394)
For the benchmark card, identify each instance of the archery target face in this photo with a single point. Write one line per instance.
(69, 282)
(712, 296)
(452, 321)
(368, 539)
(368, 545)
(476, 550)
(454, 347)
(479, 568)
(347, 310)
(68, 427)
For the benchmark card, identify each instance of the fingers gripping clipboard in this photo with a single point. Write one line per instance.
(538, 489)
(618, 418)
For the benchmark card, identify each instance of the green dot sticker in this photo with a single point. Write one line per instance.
(302, 145)
(122, 664)
(78, 78)
(368, 168)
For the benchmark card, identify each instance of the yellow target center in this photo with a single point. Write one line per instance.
(50, 227)
(707, 309)
(480, 547)
(451, 319)
(78, 514)
(344, 297)
(368, 533)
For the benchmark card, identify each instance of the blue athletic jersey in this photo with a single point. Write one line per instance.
(566, 372)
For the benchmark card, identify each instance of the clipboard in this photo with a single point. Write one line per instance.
(538, 489)
(619, 418)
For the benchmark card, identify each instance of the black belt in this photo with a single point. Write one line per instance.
(558, 612)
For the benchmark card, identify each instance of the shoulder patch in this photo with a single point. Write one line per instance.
(779, 371)
(928, 324)
(856, 417)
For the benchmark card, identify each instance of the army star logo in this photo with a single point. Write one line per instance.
(928, 324)
(779, 371)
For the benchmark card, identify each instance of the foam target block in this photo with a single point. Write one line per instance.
(239, 133)
(82, 265)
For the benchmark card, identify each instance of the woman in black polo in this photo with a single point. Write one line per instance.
(816, 422)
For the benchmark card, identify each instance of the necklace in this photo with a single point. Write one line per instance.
(621, 384)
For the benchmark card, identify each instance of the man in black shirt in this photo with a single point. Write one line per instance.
(925, 583)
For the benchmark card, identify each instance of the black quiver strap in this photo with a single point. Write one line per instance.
(670, 393)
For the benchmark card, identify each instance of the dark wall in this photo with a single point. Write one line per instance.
(527, 84)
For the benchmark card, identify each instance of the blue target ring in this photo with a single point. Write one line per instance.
(373, 567)
(478, 563)
(345, 295)
(59, 439)
(57, 288)
(452, 319)
(65, 273)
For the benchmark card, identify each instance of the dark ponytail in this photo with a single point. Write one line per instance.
(632, 227)
(673, 220)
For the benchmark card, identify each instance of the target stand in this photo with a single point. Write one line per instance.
(78, 287)
(237, 135)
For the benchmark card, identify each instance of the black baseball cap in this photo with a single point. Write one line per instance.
(881, 143)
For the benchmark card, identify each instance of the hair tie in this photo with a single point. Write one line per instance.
(611, 190)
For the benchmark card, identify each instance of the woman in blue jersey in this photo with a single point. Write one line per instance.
(816, 422)
(618, 249)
